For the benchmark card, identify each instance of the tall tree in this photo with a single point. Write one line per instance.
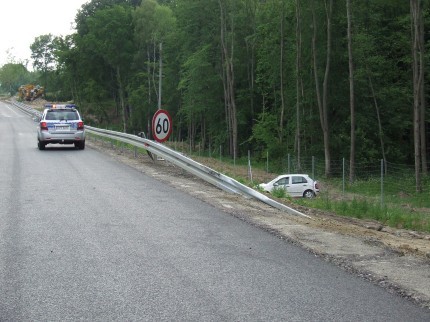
(12, 76)
(153, 25)
(299, 83)
(251, 8)
(68, 65)
(110, 37)
(281, 73)
(418, 89)
(42, 53)
(227, 59)
(323, 102)
(351, 93)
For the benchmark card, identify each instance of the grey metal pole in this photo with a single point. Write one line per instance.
(382, 183)
(249, 166)
(313, 167)
(343, 176)
(234, 156)
(160, 76)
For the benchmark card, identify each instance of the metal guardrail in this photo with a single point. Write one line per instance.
(27, 109)
(199, 170)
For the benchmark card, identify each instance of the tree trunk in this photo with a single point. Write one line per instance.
(250, 54)
(329, 11)
(226, 101)
(298, 80)
(322, 103)
(417, 52)
(422, 97)
(227, 60)
(281, 74)
(121, 99)
(351, 94)
(379, 121)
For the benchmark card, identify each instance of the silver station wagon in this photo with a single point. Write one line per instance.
(61, 124)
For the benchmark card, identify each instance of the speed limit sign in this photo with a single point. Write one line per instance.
(161, 125)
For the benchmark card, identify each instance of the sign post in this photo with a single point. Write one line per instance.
(161, 126)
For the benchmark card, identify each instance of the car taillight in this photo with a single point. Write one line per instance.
(43, 126)
(80, 125)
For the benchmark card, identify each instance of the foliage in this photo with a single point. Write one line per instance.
(111, 66)
(12, 76)
(42, 53)
(279, 193)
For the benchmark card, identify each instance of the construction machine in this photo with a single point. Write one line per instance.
(30, 92)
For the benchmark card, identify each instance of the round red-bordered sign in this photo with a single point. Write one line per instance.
(161, 125)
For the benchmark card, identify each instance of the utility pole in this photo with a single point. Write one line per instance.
(160, 76)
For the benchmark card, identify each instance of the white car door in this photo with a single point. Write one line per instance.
(283, 183)
(298, 185)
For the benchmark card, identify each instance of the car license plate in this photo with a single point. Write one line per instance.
(62, 128)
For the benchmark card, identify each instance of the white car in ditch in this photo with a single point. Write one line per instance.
(295, 185)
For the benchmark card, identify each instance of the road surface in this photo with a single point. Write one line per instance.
(84, 237)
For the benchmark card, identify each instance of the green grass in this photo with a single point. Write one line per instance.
(388, 214)
(279, 193)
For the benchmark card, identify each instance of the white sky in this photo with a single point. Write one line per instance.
(21, 21)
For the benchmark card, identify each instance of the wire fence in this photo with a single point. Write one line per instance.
(377, 181)
(381, 181)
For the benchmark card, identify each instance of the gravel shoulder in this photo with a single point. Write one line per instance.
(397, 260)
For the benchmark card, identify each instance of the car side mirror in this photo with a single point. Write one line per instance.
(276, 184)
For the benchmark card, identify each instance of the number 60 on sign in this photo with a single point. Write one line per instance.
(161, 125)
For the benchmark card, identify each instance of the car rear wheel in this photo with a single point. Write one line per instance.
(41, 145)
(308, 194)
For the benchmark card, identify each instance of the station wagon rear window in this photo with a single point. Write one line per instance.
(62, 115)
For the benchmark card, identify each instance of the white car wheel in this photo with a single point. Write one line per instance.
(308, 194)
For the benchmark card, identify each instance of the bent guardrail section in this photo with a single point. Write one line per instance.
(218, 179)
(199, 170)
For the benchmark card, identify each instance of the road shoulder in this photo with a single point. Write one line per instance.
(397, 260)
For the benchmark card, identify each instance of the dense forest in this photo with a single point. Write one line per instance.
(326, 78)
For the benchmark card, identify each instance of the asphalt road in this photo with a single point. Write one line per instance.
(84, 237)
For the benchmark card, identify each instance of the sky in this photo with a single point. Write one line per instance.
(21, 21)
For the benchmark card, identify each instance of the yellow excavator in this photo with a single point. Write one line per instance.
(30, 92)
